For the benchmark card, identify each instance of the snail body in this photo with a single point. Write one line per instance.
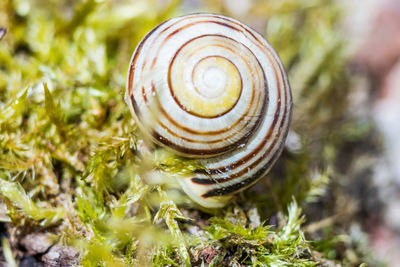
(208, 87)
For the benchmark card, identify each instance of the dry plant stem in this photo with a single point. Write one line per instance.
(313, 227)
(329, 221)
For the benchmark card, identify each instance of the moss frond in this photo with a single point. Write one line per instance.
(170, 213)
(8, 255)
(18, 199)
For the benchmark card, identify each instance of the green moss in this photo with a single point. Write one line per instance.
(263, 245)
(8, 255)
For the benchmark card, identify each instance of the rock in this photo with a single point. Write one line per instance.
(36, 243)
(382, 47)
(30, 261)
(61, 256)
(208, 254)
(387, 114)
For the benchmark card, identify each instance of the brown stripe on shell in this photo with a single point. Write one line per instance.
(243, 171)
(182, 28)
(164, 30)
(239, 163)
(244, 160)
(247, 111)
(205, 181)
(190, 24)
(232, 166)
(144, 94)
(253, 178)
(225, 190)
(179, 19)
(248, 181)
(254, 164)
(172, 62)
(244, 139)
(173, 33)
(133, 62)
(241, 80)
(189, 111)
(249, 156)
(169, 118)
(196, 22)
(185, 150)
(135, 107)
(241, 26)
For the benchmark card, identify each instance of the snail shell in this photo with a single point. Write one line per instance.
(207, 86)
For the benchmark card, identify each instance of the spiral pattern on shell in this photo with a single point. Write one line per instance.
(207, 86)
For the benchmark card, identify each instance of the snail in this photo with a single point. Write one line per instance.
(208, 87)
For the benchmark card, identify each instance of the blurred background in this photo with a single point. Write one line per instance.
(342, 156)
